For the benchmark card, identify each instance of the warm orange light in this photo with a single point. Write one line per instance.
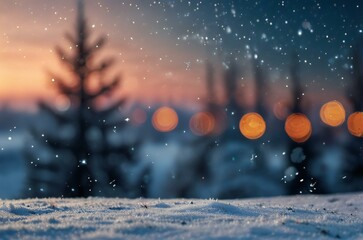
(355, 124)
(165, 119)
(202, 123)
(298, 127)
(252, 125)
(332, 113)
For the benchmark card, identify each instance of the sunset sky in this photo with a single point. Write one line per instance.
(161, 46)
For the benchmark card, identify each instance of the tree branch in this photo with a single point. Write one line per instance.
(51, 140)
(103, 66)
(71, 39)
(105, 89)
(65, 58)
(98, 44)
(112, 108)
(63, 87)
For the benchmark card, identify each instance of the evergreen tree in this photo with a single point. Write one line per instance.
(233, 110)
(353, 167)
(260, 94)
(193, 171)
(78, 159)
(299, 155)
(260, 88)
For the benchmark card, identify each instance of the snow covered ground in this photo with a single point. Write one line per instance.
(300, 217)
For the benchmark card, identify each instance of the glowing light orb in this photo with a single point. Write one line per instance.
(332, 113)
(202, 123)
(165, 119)
(298, 127)
(252, 125)
(355, 124)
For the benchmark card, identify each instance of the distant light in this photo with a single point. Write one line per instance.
(299, 32)
(202, 123)
(355, 124)
(298, 127)
(332, 113)
(165, 119)
(252, 125)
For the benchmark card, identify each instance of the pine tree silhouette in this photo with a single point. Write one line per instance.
(197, 163)
(303, 182)
(357, 74)
(233, 109)
(353, 168)
(83, 161)
(260, 88)
(260, 95)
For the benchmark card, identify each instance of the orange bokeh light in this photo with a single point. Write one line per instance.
(165, 119)
(332, 113)
(355, 124)
(202, 123)
(298, 127)
(252, 125)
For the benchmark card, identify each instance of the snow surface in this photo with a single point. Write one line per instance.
(298, 217)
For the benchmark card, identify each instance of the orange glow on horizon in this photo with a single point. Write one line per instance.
(27, 52)
(202, 123)
(252, 126)
(355, 124)
(298, 127)
(165, 119)
(332, 113)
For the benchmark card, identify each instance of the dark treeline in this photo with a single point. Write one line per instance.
(77, 155)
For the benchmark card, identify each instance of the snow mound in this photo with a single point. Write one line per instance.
(298, 217)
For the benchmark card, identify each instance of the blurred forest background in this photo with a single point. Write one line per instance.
(84, 147)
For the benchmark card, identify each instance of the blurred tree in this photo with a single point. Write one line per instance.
(356, 92)
(210, 82)
(260, 88)
(79, 158)
(353, 166)
(260, 96)
(192, 168)
(233, 109)
(299, 154)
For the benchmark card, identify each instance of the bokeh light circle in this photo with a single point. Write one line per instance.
(332, 113)
(202, 123)
(355, 124)
(298, 127)
(165, 119)
(252, 125)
